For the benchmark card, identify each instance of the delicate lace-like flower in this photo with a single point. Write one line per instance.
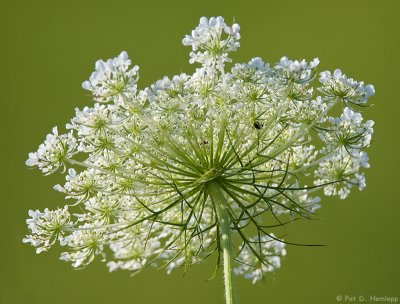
(212, 40)
(267, 249)
(102, 209)
(256, 71)
(194, 165)
(135, 248)
(54, 152)
(297, 71)
(339, 173)
(170, 88)
(83, 185)
(350, 91)
(91, 121)
(47, 227)
(112, 78)
(348, 131)
(84, 245)
(308, 112)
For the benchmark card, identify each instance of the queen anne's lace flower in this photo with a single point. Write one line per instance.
(352, 92)
(83, 185)
(47, 227)
(267, 249)
(91, 121)
(297, 71)
(256, 71)
(212, 40)
(84, 245)
(54, 152)
(112, 79)
(194, 165)
(348, 131)
(340, 172)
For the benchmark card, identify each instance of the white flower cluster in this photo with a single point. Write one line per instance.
(352, 92)
(112, 79)
(297, 71)
(348, 131)
(143, 166)
(53, 153)
(47, 227)
(340, 172)
(212, 40)
(264, 256)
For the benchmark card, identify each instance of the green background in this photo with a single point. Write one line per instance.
(49, 47)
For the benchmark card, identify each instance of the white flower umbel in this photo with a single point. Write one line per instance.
(204, 164)
(352, 92)
(264, 257)
(112, 78)
(212, 40)
(53, 153)
(47, 227)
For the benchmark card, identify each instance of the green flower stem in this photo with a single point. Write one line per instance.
(218, 199)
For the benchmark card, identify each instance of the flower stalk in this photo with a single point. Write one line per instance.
(225, 238)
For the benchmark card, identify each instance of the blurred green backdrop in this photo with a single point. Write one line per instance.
(49, 47)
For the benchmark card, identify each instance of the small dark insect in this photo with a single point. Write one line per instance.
(205, 142)
(258, 125)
